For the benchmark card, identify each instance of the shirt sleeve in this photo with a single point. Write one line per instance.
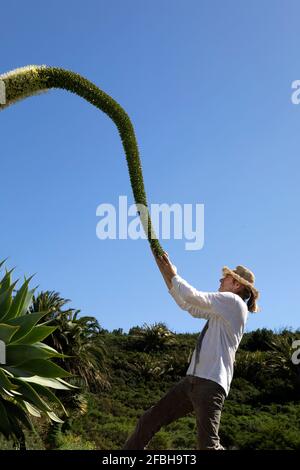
(206, 304)
(181, 293)
(194, 311)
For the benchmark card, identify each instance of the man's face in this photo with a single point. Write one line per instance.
(229, 284)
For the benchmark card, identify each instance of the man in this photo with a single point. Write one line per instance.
(207, 381)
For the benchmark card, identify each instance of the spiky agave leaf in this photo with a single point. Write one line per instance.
(26, 371)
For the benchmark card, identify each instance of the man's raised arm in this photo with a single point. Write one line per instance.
(198, 304)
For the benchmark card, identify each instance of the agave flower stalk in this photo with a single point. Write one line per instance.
(27, 81)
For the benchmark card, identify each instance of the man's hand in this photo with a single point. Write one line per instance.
(167, 269)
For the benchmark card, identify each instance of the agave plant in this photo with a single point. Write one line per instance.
(27, 373)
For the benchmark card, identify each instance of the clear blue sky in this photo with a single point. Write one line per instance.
(207, 85)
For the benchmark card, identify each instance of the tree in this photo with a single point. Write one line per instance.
(281, 359)
(258, 340)
(153, 337)
(84, 355)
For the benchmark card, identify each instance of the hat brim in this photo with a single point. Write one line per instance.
(240, 279)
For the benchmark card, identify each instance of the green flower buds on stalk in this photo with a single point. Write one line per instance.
(28, 81)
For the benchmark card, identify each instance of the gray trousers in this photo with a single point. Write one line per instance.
(203, 396)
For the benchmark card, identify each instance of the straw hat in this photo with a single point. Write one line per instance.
(244, 276)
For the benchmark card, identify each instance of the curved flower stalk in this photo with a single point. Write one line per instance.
(26, 371)
(27, 81)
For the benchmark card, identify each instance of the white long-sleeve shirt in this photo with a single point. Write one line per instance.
(226, 315)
